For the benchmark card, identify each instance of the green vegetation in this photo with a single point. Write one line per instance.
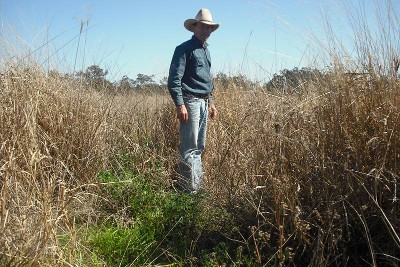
(157, 225)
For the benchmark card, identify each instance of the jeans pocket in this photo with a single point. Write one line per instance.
(190, 99)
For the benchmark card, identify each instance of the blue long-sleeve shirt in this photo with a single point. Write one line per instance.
(189, 72)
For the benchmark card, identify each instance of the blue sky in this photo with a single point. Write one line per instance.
(256, 38)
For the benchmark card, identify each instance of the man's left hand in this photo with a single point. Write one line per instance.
(213, 112)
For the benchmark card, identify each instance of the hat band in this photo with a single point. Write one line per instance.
(203, 20)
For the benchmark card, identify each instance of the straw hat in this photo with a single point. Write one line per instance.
(203, 16)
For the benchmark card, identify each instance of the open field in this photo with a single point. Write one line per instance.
(308, 177)
(302, 172)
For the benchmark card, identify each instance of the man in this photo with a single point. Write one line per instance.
(190, 86)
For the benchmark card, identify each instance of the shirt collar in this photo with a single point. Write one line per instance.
(198, 42)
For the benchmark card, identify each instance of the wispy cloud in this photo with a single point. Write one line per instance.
(276, 53)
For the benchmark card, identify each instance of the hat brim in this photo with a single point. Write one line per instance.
(189, 24)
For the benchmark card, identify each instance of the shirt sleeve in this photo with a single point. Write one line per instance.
(211, 98)
(176, 72)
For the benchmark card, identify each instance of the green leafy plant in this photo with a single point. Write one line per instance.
(157, 220)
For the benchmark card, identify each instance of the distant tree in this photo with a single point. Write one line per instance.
(126, 84)
(95, 77)
(164, 82)
(240, 81)
(146, 82)
(143, 80)
(54, 74)
(222, 79)
(291, 80)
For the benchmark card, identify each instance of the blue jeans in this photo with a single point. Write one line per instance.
(192, 143)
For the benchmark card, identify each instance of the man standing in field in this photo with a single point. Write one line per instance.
(190, 86)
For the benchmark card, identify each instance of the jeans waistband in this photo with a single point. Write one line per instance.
(202, 96)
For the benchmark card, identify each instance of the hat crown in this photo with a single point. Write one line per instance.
(204, 15)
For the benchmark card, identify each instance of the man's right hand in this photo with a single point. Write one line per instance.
(182, 114)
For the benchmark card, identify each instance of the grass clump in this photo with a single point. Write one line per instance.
(157, 225)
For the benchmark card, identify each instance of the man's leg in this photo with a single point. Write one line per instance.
(192, 137)
(201, 143)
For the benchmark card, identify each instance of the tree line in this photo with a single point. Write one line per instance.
(286, 81)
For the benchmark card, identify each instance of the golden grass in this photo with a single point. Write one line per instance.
(301, 165)
(299, 170)
(306, 177)
(55, 139)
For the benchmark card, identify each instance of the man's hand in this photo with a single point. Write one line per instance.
(213, 112)
(396, 64)
(182, 114)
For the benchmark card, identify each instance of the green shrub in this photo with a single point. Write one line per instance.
(156, 221)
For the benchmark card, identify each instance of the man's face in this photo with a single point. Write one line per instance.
(202, 31)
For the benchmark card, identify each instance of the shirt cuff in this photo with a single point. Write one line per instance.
(179, 101)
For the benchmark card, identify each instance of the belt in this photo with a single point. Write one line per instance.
(202, 96)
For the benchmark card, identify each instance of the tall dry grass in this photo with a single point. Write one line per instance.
(305, 178)
(313, 176)
(54, 140)
(56, 137)
(308, 177)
